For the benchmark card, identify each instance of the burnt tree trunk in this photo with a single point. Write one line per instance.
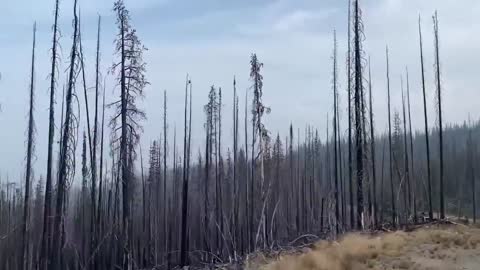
(372, 150)
(28, 170)
(394, 213)
(44, 260)
(440, 124)
(427, 141)
(358, 117)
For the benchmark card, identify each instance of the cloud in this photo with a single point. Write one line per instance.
(299, 20)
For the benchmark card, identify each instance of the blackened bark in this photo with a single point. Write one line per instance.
(349, 93)
(372, 150)
(28, 169)
(184, 236)
(412, 180)
(407, 188)
(358, 116)
(440, 126)
(165, 223)
(44, 262)
(394, 213)
(62, 176)
(337, 202)
(427, 141)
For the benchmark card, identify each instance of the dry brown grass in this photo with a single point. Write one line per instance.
(386, 251)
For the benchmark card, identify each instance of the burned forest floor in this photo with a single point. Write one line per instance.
(446, 246)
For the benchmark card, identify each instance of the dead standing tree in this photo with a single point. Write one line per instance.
(372, 149)
(439, 111)
(429, 177)
(131, 79)
(236, 187)
(28, 168)
(209, 110)
(392, 193)
(44, 262)
(165, 223)
(258, 110)
(358, 29)
(412, 180)
(349, 93)
(407, 189)
(186, 162)
(335, 96)
(67, 150)
(94, 229)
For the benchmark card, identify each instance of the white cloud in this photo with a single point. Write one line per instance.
(298, 20)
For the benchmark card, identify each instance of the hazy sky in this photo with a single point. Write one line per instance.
(212, 40)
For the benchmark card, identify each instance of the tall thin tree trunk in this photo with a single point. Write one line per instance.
(124, 154)
(28, 169)
(56, 253)
(382, 193)
(46, 234)
(429, 177)
(184, 234)
(175, 184)
(166, 230)
(93, 228)
(407, 171)
(412, 180)
(247, 180)
(334, 122)
(372, 149)
(394, 214)
(236, 197)
(358, 116)
(252, 182)
(471, 158)
(349, 93)
(440, 126)
(100, 222)
(220, 173)
(292, 178)
(206, 219)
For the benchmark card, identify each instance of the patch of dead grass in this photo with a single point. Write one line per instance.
(360, 251)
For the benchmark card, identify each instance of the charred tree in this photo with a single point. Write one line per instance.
(439, 111)
(66, 151)
(93, 161)
(394, 213)
(44, 262)
(427, 141)
(413, 182)
(358, 114)
(184, 233)
(247, 180)
(131, 80)
(349, 93)
(372, 150)
(28, 168)
(471, 171)
(165, 218)
(209, 109)
(335, 151)
(407, 188)
(292, 175)
(236, 188)
(258, 111)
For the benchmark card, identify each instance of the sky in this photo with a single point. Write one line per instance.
(212, 41)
